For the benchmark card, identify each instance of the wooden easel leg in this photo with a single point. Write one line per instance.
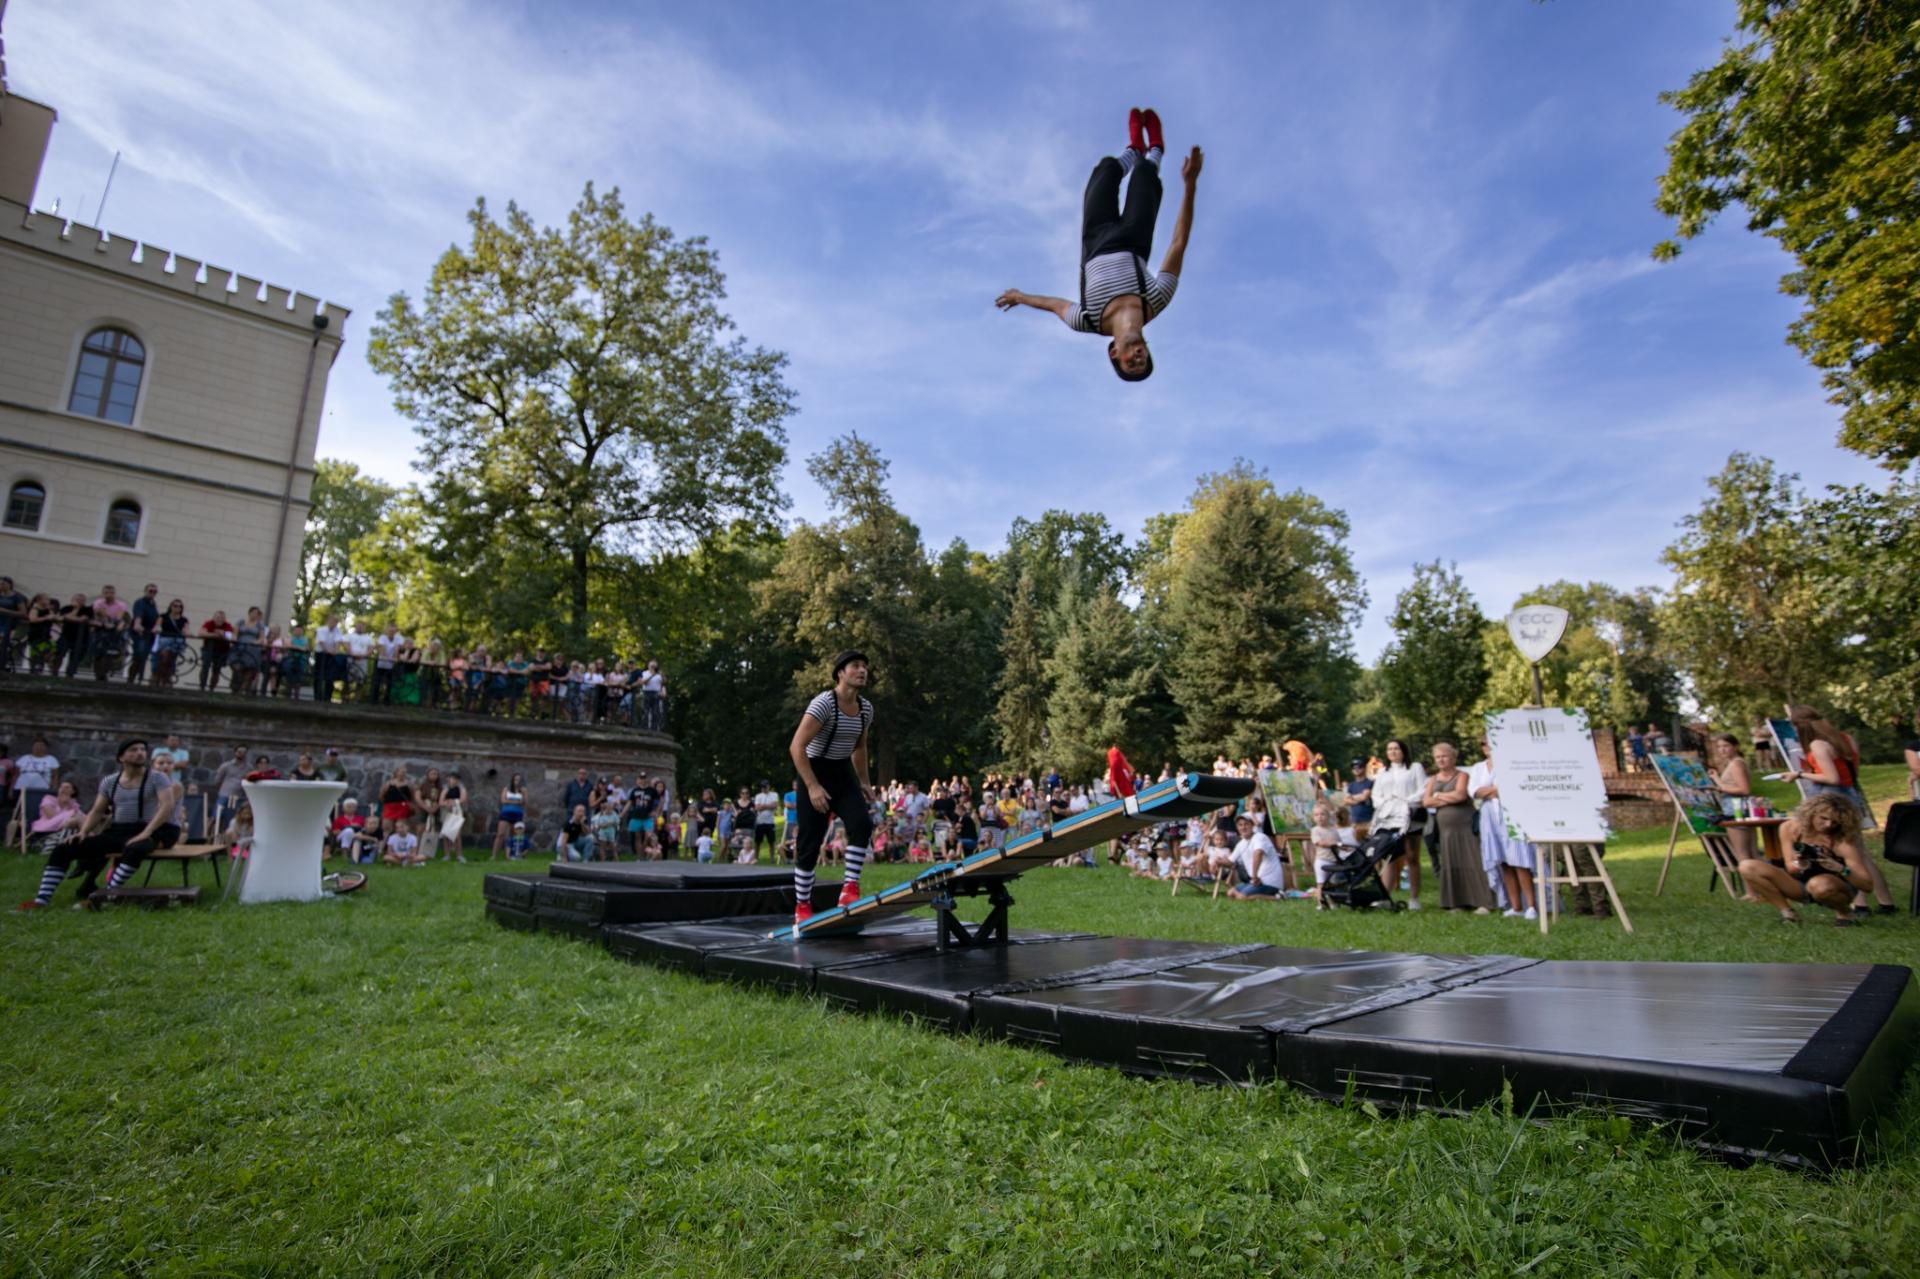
(1673, 838)
(1542, 876)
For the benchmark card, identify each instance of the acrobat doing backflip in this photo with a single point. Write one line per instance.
(1117, 297)
(829, 751)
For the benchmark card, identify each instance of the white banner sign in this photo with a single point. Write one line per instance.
(1548, 775)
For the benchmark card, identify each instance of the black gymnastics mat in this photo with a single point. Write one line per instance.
(1785, 1062)
(674, 874)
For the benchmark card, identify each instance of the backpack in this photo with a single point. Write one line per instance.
(1903, 833)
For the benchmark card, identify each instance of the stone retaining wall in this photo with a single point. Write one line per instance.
(83, 721)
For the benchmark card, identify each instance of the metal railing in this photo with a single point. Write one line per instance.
(231, 668)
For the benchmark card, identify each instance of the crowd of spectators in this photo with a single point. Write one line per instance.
(147, 641)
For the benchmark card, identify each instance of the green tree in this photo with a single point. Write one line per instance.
(1750, 619)
(1020, 715)
(1259, 597)
(1809, 121)
(1610, 663)
(1100, 685)
(1869, 573)
(1076, 554)
(861, 580)
(963, 623)
(580, 388)
(347, 506)
(1434, 671)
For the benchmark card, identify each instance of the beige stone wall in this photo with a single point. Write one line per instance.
(214, 430)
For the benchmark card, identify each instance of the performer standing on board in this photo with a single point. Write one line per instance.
(829, 752)
(1117, 297)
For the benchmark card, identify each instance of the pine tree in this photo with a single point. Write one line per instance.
(1435, 670)
(1021, 713)
(1259, 601)
(1100, 684)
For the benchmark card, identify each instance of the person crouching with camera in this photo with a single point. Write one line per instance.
(1824, 861)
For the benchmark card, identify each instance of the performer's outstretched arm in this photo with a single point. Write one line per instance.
(1183, 224)
(1014, 297)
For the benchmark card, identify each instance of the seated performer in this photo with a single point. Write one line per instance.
(130, 817)
(829, 751)
(1117, 299)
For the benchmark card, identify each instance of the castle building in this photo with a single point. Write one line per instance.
(158, 415)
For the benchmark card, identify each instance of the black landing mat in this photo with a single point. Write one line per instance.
(1780, 1061)
(942, 987)
(675, 874)
(514, 889)
(581, 908)
(1214, 1019)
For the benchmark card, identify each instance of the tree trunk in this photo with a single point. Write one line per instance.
(577, 622)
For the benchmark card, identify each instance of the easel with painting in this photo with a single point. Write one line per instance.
(1702, 806)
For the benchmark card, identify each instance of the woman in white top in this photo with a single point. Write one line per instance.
(1509, 862)
(1397, 788)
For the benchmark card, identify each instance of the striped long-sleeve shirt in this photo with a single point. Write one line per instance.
(1113, 275)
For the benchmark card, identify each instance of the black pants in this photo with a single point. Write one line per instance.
(1105, 227)
(382, 685)
(763, 832)
(844, 799)
(91, 854)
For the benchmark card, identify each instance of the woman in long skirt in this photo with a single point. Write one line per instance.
(1463, 883)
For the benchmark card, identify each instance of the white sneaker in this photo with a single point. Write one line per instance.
(1509, 914)
(1414, 904)
(1530, 913)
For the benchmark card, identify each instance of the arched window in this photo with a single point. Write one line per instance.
(107, 381)
(25, 502)
(123, 523)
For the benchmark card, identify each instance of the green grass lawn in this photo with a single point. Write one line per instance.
(390, 1085)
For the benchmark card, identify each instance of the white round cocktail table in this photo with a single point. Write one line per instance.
(289, 831)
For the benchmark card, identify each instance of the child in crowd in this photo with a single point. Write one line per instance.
(1163, 860)
(742, 841)
(1330, 842)
(403, 848)
(605, 830)
(834, 848)
(518, 843)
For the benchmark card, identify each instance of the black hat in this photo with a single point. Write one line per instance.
(131, 741)
(849, 655)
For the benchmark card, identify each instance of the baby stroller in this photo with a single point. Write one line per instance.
(1354, 881)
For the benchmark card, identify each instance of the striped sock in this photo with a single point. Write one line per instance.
(802, 885)
(49, 884)
(1128, 159)
(121, 874)
(1153, 156)
(856, 858)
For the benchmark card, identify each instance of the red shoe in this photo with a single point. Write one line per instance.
(849, 893)
(1134, 122)
(802, 912)
(1150, 120)
(29, 905)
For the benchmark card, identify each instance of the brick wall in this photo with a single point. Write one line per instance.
(84, 721)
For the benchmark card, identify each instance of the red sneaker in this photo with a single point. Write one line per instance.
(30, 904)
(802, 912)
(849, 893)
(1150, 120)
(1134, 122)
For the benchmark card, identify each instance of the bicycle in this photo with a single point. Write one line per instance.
(169, 664)
(109, 656)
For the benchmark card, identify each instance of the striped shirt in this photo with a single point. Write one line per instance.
(1113, 275)
(843, 731)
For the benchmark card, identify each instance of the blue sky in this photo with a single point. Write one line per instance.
(1419, 284)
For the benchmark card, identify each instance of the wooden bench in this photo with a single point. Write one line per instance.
(185, 854)
(150, 897)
